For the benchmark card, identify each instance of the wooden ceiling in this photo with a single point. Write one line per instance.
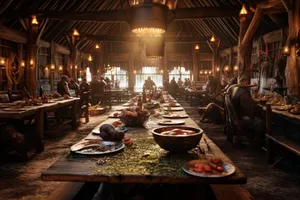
(226, 28)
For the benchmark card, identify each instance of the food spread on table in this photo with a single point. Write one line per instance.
(209, 168)
(178, 132)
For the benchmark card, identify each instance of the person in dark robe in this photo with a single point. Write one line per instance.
(166, 84)
(245, 107)
(95, 90)
(62, 86)
(173, 87)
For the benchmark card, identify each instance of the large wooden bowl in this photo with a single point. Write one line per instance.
(177, 143)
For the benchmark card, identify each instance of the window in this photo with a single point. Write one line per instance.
(117, 74)
(179, 72)
(154, 74)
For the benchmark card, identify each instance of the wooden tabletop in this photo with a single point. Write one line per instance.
(30, 110)
(143, 162)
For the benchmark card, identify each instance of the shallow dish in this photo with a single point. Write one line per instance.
(98, 148)
(177, 143)
(171, 122)
(188, 168)
(175, 116)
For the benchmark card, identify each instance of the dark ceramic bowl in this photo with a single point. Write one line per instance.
(177, 143)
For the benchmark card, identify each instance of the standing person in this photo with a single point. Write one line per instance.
(108, 83)
(95, 87)
(149, 84)
(62, 86)
(166, 84)
(180, 83)
(173, 87)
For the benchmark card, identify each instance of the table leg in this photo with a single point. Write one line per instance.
(39, 120)
(74, 114)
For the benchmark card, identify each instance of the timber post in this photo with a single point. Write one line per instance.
(292, 76)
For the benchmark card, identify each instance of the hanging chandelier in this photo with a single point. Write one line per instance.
(149, 18)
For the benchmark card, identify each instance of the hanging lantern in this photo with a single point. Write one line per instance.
(286, 51)
(2, 61)
(31, 62)
(60, 68)
(218, 69)
(226, 68)
(243, 13)
(52, 67)
(212, 39)
(201, 72)
(236, 68)
(197, 47)
(22, 64)
(97, 46)
(75, 33)
(34, 20)
(90, 58)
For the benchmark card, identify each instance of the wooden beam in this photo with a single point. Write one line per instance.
(252, 27)
(106, 38)
(4, 5)
(287, 4)
(19, 37)
(205, 12)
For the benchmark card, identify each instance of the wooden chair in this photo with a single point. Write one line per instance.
(281, 140)
(232, 121)
(84, 106)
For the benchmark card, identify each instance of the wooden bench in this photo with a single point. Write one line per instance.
(281, 140)
(66, 191)
(232, 192)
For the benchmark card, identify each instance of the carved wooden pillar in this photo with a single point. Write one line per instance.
(31, 59)
(165, 64)
(131, 74)
(244, 51)
(292, 77)
(247, 30)
(215, 51)
(195, 65)
(98, 64)
(34, 33)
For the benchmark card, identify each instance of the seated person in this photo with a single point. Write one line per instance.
(213, 112)
(245, 106)
(74, 86)
(62, 86)
(84, 87)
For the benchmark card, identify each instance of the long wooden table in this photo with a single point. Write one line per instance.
(38, 113)
(144, 162)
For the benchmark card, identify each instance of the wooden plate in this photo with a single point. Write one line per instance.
(102, 147)
(171, 122)
(188, 166)
(175, 116)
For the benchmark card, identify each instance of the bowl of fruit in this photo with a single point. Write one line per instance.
(134, 117)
